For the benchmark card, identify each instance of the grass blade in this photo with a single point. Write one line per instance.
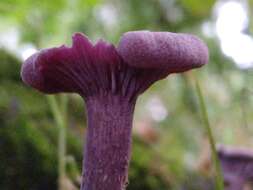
(59, 110)
(219, 182)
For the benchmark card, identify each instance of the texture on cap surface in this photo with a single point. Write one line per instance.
(163, 50)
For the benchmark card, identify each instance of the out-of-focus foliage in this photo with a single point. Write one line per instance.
(9, 68)
(169, 152)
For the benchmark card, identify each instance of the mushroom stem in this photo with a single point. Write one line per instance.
(107, 151)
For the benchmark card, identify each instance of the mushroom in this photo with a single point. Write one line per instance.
(237, 166)
(109, 80)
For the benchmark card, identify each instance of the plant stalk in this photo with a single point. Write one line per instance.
(219, 181)
(60, 116)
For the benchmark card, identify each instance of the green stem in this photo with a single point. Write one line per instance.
(219, 182)
(60, 114)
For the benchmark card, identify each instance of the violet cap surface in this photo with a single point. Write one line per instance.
(163, 50)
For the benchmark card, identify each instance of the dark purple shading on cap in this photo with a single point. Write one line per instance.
(163, 50)
(69, 69)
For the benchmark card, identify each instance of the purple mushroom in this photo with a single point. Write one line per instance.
(109, 80)
(237, 166)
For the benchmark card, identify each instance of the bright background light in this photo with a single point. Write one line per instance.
(230, 25)
(27, 50)
(156, 109)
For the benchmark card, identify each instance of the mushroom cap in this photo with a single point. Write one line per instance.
(236, 162)
(235, 153)
(141, 59)
(69, 69)
(163, 50)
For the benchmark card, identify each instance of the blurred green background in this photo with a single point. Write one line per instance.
(170, 147)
